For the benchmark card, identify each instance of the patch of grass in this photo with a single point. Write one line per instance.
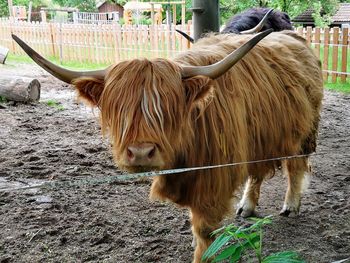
(18, 59)
(341, 87)
(76, 65)
(330, 58)
(2, 99)
(55, 104)
(233, 243)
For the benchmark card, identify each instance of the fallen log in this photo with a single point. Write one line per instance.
(3, 54)
(20, 89)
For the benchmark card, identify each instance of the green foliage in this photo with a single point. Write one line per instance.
(235, 242)
(323, 14)
(285, 257)
(85, 6)
(4, 9)
(120, 2)
(142, 20)
(54, 104)
(2, 99)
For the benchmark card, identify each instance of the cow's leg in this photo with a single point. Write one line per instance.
(202, 225)
(295, 170)
(246, 206)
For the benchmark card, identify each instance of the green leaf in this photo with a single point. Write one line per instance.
(237, 255)
(222, 229)
(265, 219)
(227, 252)
(247, 236)
(216, 246)
(284, 257)
(251, 243)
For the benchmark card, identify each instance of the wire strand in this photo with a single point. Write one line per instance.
(127, 177)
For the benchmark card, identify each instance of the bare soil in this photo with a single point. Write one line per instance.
(115, 222)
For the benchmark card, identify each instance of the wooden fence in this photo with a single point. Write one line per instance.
(331, 45)
(95, 43)
(110, 43)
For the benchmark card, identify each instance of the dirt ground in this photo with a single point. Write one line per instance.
(116, 222)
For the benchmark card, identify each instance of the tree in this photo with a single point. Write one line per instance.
(291, 7)
(86, 5)
(4, 9)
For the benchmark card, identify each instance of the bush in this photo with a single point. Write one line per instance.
(235, 242)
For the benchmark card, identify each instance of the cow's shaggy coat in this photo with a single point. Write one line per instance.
(267, 105)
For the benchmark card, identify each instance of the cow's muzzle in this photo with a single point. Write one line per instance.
(143, 155)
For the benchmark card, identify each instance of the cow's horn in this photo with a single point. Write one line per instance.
(185, 35)
(216, 70)
(61, 73)
(259, 26)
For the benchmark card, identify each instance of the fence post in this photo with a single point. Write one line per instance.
(75, 17)
(12, 41)
(43, 16)
(325, 53)
(317, 41)
(335, 54)
(344, 54)
(308, 35)
(300, 31)
(61, 50)
(52, 40)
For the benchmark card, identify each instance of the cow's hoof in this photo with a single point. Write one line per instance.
(287, 210)
(245, 212)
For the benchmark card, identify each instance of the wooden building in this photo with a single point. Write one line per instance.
(109, 7)
(341, 18)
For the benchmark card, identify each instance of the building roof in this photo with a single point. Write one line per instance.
(343, 13)
(144, 6)
(341, 16)
(304, 17)
(100, 3)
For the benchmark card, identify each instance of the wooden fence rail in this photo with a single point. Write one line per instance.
(110, 43)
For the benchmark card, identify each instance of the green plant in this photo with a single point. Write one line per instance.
(234, 242)
(2, 99)
(55, 104)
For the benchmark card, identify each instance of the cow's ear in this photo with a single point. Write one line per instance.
(89, 89)
(199, 91)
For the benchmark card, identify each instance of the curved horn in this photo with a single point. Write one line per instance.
(216, 70)
(259, 26)
(61, 73)
(185, 36)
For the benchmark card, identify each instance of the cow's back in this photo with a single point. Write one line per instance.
(267, 105)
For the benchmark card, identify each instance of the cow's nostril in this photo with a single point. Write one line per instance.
(130, 153)
(151, 153)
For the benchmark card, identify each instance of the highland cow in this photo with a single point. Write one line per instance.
(198, 109)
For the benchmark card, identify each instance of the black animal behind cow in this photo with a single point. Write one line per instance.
(252, 21)
(248, 19)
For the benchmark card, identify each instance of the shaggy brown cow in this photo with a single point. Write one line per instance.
(164, 114)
